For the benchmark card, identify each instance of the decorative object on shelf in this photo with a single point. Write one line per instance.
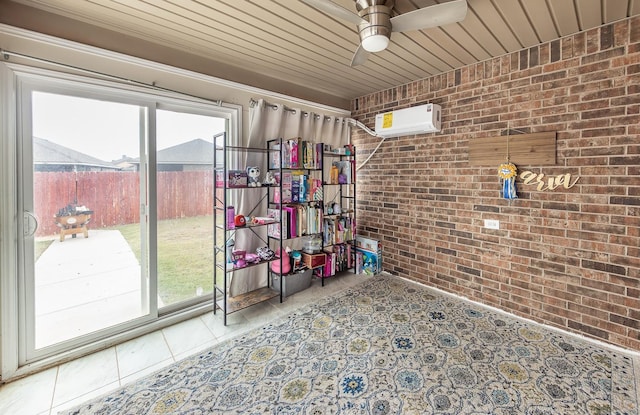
(297, 259)
(238, 256)
(260, 220)
(508, 172)
(230, 245)
(269, 179)
(312, 244)
(234, 179)
(329, 208)
(314, 260)
(252, 258)
(253, 176)
(334, 175)
(231, 217)
(239, 221)
(282, 259)
(265, 253)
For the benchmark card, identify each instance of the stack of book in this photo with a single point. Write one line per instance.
(296, 153)
(297, 220)
(338, 258)
(338, 230)
(297, 187)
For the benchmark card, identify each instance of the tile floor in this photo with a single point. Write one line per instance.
(71, 383)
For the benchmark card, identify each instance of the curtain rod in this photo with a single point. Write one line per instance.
(253, 102)
(6, 55)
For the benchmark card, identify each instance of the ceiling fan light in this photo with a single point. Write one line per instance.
(375, 43)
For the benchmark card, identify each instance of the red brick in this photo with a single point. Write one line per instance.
(564, 257)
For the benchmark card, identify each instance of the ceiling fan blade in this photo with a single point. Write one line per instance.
(432, 16)
(335, 10)
(360, 57)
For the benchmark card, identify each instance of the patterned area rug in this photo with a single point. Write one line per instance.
(389, 346)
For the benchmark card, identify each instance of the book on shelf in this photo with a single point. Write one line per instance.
(295, 188)
(343, 257)
(292, 221)
(316, 192)
(275, 156)
(273, 229)
(318, 156)
(295, 152)
(308, 156)
(287, 179)
(314, 219)
(330, 264)
(303, 188)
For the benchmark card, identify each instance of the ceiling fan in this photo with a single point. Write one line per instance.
(375, 23)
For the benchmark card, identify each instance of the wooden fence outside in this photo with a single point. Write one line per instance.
(114, 197)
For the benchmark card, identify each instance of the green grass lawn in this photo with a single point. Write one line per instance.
(41, 246)
(185, 256)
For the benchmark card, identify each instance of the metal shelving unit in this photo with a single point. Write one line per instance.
(223, 156)
(346, 195)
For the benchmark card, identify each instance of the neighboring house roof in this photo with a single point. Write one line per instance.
(196, 151)
(125, 163)
(47, 152)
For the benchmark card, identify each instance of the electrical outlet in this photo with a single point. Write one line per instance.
(491, 224)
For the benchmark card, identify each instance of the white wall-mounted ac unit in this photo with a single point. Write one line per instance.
(407, 121)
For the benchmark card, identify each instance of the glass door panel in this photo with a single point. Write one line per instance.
(88, 269)
(184, 158)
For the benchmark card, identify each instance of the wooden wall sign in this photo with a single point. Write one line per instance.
(550, 183)
(535, 149)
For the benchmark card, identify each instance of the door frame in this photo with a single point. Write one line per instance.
(12, 362)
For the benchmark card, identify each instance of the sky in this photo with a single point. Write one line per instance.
(108, 130)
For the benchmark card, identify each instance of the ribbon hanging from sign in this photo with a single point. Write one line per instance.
(507, 173)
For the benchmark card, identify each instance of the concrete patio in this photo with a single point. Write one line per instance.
(85, 284)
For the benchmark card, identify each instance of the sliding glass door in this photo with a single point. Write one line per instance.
(115, 211)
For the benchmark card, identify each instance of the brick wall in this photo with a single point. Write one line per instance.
(569, 258)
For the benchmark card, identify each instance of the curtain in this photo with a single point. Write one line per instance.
(267, 122)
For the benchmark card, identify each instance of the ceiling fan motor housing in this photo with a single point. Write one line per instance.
(377, 13)
(363, 4)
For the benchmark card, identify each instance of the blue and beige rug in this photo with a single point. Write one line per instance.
(389, 346)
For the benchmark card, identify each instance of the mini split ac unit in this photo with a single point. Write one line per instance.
(407, 121)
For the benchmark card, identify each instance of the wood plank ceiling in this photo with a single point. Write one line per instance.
(293, 44)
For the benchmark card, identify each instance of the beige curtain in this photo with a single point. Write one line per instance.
(268, 121)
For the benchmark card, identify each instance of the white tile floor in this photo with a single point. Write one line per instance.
(72, 383)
